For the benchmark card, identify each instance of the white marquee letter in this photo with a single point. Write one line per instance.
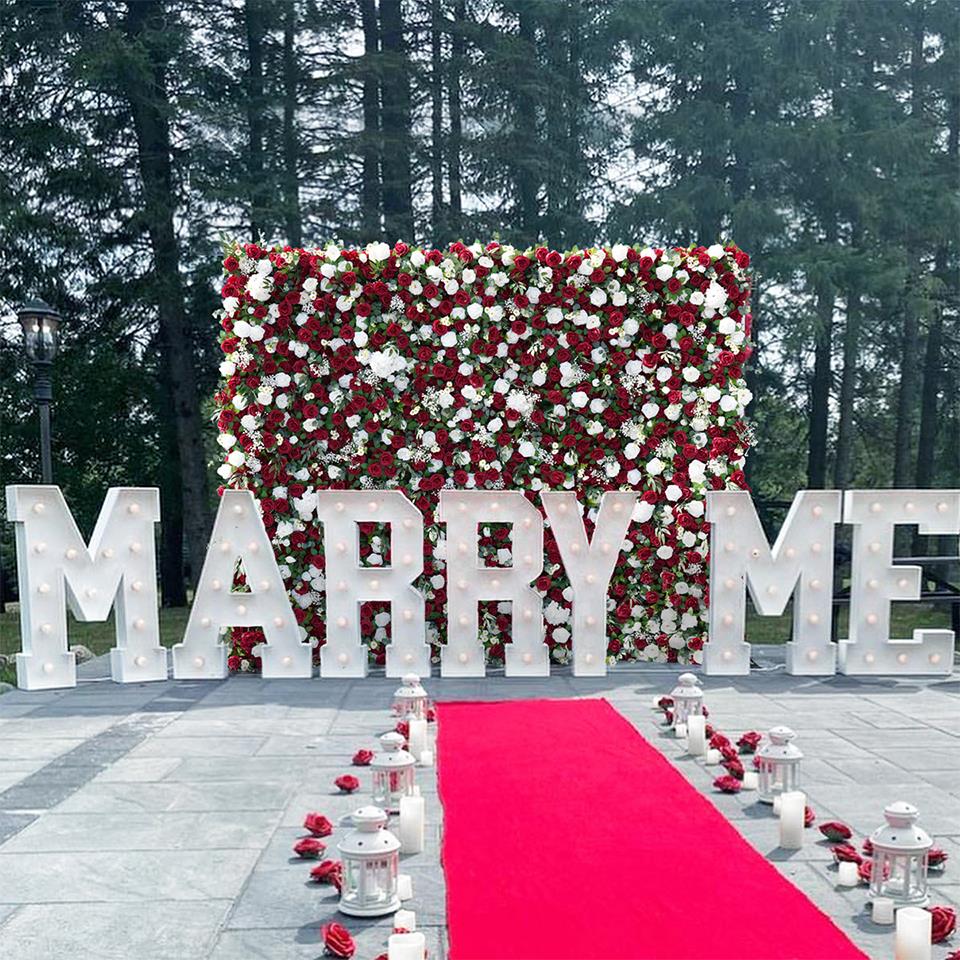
(350, 583)
(118, 567)
(238, 533)
(741, 557)
(875, 582)
(469, 582)
(589, 567)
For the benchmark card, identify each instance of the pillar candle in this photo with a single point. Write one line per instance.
(883, 910)
(426, 758)
(792, 807)
(680, 730)
(713, 757)
(750, 780)
(655, 703)
(776, 803)
(405, 886)
(697, 735)
(405, 920)
(913, 934)
(406, 946)
(412, 817)
(848, 874)
(417, 736)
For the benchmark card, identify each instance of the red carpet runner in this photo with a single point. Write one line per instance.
(567, 836)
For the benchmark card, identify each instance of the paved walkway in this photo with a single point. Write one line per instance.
(156, 821)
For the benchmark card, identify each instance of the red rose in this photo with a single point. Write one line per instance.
(317, 824)
(337, 940)
(734, 768)
(937, 858)
(836, 831)
(868, 847)
(347, 783)
(809, 817)
(866, 871)
(718, 741)
(362, 758)
(403, 728)
(944, 923)
(665, 703)
(727, 784)
(749, 741)
(328, 871)
(308, 848)
(846, 853)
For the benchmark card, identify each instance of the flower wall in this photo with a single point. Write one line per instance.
(490, 367)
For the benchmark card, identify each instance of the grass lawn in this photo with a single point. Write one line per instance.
(99, 637)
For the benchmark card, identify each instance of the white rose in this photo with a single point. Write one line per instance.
(579, 399)
(619, 252)
(655, 467)
(664, 272)
(715, 252)
(727, 325)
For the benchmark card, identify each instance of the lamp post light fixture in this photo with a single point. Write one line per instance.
(687, 699)
(779, 763)
(900, 850)
(41, 339)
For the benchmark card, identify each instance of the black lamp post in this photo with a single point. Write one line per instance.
(41, 334)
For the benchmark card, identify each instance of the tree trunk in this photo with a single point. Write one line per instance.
(291, 184)
(820, 387)
(526, 172)
(370, 224)
(843, 465)
(150, 107)
(253, 15)
(395, 119)
(458, 52)
(437, 225)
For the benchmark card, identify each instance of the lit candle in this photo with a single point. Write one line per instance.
(412, 815)
(792, 806)
(407, 946)
(697, 735)
(681, 731)
(426, 758)
(883, 910)
(914, 927)
(848, 874)
(404, 886)
(405, 920)
(713, 757)
(417, 736)
(751, 780)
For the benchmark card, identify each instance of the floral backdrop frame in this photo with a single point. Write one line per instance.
(488, 367)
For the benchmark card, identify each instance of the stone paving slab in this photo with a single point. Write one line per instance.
(159, 818)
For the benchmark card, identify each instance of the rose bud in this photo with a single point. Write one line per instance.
(865, 869)
(308, 848)
(708, 731)
(317, 824)
(431, 715)
(836, 831)
(727, 784)
(337, 940)
(868, 847)
(403, 728)
(362, 758)
(347, 783)
(937, 858)
(847, 853)
(749, 742)
(809, 817)
(665, 703)
(328, 871)
(944, 923)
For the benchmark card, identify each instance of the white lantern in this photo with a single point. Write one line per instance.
(393, 773)
(410, 700)
(371, 865)
(687, 699)
(779, 762)
(899, 869)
